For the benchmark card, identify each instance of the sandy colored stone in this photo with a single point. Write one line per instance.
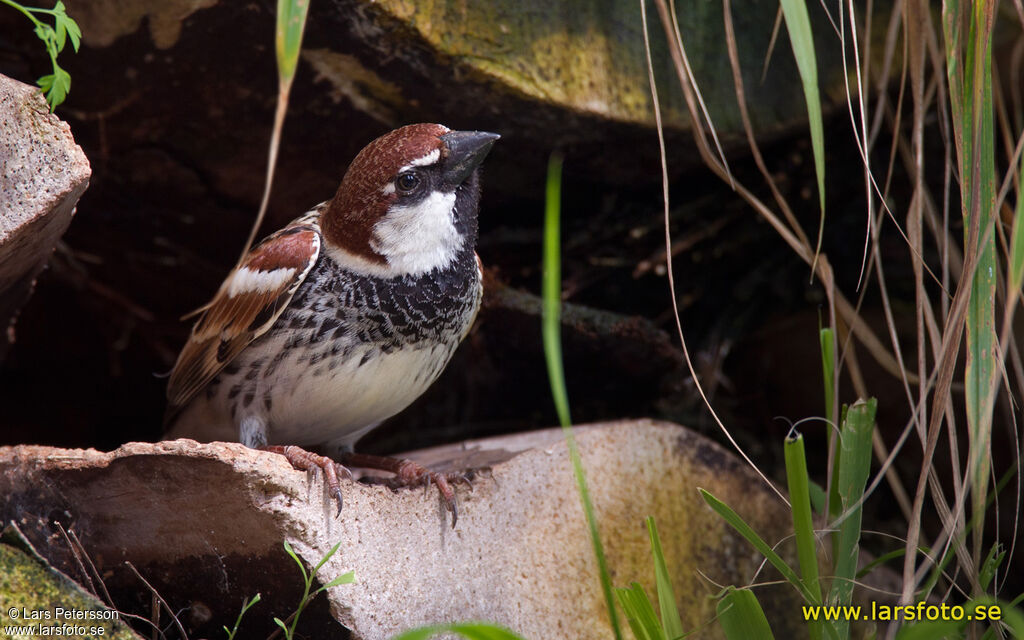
(104, 22)
(43, 173)
(520, 555)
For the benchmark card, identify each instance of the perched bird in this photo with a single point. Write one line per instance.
(345, 316)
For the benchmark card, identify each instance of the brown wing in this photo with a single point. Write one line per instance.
(246, 306)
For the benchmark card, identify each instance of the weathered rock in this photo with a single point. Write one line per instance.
(205, 524)
(42, 175)
(45, 602)
(584, 59)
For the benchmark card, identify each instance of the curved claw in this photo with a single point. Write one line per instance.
(303, 460)
(412, 474)
(451, 500)
(461, 478)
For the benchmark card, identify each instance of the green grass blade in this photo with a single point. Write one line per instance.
(879, 561)
(855, 466)
(803, 525)
(737, 523)
(940, 567)
(670, 620)
(291, 22)
(470, 630)
(969, 65)
(640, 613)
(626, 599)
(551, 289)
(551, 329)
(995, 557)
(930, 630)
(826, 338)
(1016, 270)
(238, 621)
(741, 616)
(798, 24)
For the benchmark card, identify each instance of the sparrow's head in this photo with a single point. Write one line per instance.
(408, 202)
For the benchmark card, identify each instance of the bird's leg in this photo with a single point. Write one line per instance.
(410, 474)
(306, 461)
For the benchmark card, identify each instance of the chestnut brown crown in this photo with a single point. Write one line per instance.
(414, 171)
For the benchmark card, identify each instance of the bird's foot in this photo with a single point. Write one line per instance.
(412, 474)
(307, 461)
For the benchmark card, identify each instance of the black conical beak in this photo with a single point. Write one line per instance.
(466, 150)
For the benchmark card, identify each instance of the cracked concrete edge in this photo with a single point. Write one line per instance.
(43, 173)
(520, 555)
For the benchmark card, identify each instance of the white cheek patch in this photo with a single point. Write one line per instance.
(423, 161)
(421, 237)
(246, 280)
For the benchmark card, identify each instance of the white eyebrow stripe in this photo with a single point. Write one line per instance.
(423, 161)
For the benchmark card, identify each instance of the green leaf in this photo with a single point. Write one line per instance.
(995, 557)
(56, 86)
(45, 82)
(470, 630)
(61, 35)
(291, 22)
(640, 613)
(737, 523)
(302, 567)
(1016, 270)
(74, 32)
(238, 621)
(551, 289)
(854, 468)
(345, 578)
(327, 557)
(670, 620)
(798, 24)
(742, 617)
(930, 630)
(803, 524)
(828, 367)
(880, 560)
(49, 37)
(551, 331)
(817, 497)
(63, 80)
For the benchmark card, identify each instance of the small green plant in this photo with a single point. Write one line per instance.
(288, 626)
(643, 622)
(743, 616)
(245, 607)
(307, 595)
(56, 85)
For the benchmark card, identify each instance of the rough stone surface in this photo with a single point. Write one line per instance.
(184, 513)
(42, 175)
(585, 59)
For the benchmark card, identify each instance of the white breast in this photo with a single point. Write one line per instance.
(337, 406)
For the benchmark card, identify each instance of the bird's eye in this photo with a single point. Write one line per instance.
(407, 182)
